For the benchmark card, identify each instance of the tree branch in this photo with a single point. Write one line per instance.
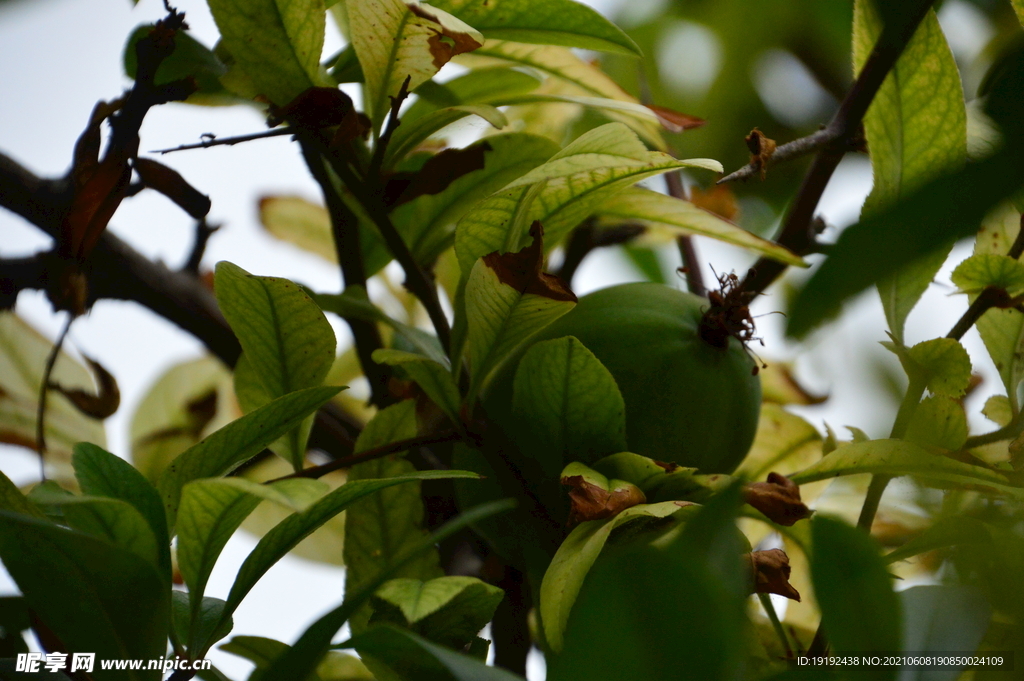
(797, 234)
(687, 249)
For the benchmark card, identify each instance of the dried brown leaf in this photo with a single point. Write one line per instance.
(100, 405)
(770, 572)
(522, 270)
(778, 498)
(593, 502)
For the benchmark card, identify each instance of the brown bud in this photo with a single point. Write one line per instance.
(770, 571)
(593, 502)
(761, 150)
(779, 499)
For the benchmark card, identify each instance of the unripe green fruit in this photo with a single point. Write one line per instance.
(687, 401)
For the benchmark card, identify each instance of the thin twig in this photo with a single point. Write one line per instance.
(44, 391)
(345, 227)
(416, 279)
(373, 453)
(204, 231)
(796, 234)
(216, 142)
(790, 150)
(377, 160)
(687, 249)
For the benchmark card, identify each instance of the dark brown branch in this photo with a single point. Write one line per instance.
(377, 160)
(345, 226)
(416, 279)
(204, 231)
(797, 234)
(120, 272)
(373, 453)
(687, 249)
(228, 141)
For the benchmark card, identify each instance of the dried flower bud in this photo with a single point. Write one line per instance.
(770, 572)
(778, 498)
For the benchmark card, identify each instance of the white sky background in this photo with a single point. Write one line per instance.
(58, 57)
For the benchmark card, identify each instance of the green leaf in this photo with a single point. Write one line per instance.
(997, 410)
(574, 559)
(93, 595)
(395, 41)
(427, 223)
(938, 421)
(670, 608)
(11, 499)
(559, 22)
(571, 402)
(943, 364)
(411, 133)
(412, 658)
(301, 658)
(190, 59)
(988, 269)
(562, 192)
(899, 457)
(210, 512)
(353, 302)
(446, 610)
(433, 378)
(296, 527)
(287, 343)
(276, 43)
(102, 474)
(23, 353)
(381, 526)
(502, 313)
(662, 213)
(940, 618)
(859, 611)
(208, 626)
(573, 76)
(190, 400)
(237, 442)
(916, 130)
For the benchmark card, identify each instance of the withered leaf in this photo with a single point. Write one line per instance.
(770, 572)
(674, 121)
(171, 184)
(778, 498)
(445, 43)
(314, 108)
(761, 150)
(522, 270)
(441, 170)
(100, 405)
(593, 502)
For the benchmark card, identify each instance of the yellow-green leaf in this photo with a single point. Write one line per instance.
(547, 22)
(676, 217)
(916, 129)
(395, 41)
(276, 43)
(988, 269)
(938, 421)
(943, 364)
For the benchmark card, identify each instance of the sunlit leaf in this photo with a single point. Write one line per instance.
(287, 343)
(395, 41)
(676, 217)
(916, 130)
(276, 43)
(988, 269)
(562, 22)
(23, 352)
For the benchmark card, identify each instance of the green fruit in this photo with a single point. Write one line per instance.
(687, 401)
